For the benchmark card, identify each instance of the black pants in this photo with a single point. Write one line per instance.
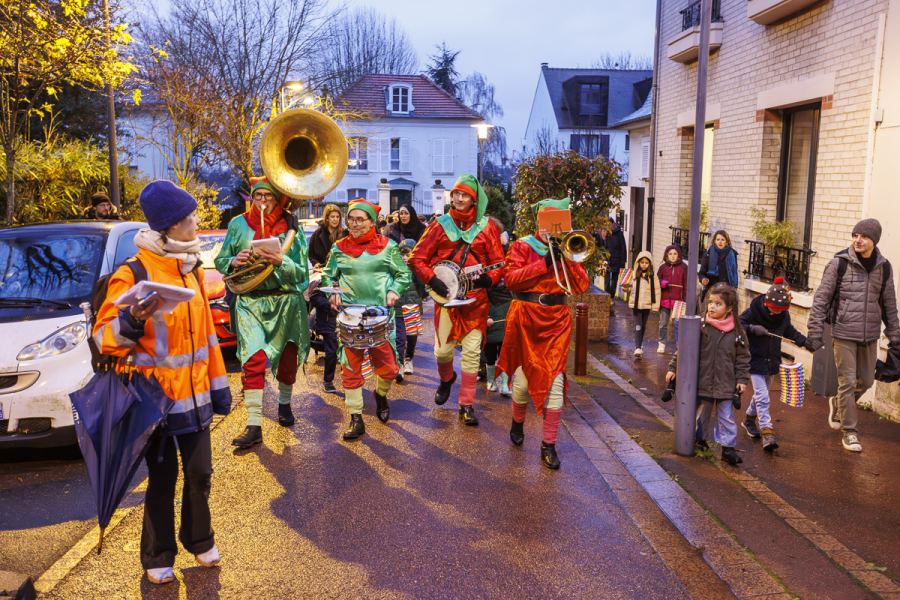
(326, 328)
(611, 280)
(158, 546)
(640, 325)
(492, 352)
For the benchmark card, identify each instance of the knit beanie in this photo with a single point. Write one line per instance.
(408, 244)
(778, 298)
(165, 204)
(99, 198)
(870, 228)
(364, 205)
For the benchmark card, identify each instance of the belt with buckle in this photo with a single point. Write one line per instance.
(542, 299)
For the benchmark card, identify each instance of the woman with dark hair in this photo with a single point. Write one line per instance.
(407, 227)
(719, 263)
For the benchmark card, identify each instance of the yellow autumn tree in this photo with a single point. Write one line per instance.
(44, 44)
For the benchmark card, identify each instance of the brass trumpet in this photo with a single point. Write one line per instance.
(576, 246)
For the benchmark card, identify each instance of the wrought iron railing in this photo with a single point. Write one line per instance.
(681, 238)
(768, 262)
(691, 15)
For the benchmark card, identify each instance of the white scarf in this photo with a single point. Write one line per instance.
(187, 252)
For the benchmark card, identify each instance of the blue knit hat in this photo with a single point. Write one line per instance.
(165, 204)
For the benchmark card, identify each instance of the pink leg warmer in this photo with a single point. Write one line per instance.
(551, 425)
(445, 370)
(519, 411)
(467, 389)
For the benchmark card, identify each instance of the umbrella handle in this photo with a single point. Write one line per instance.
(100, 542)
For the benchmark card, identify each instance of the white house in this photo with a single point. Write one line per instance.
(415, 141)
(574, 108)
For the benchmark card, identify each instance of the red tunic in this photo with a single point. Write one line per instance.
(486, 249)
(537, 337)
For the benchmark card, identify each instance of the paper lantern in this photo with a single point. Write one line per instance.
(792, 384)
(627, 277)
(367, 370)
(412, 318)
(679, 308)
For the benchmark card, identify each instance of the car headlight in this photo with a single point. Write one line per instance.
(59, 342)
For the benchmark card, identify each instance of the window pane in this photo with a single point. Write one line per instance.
(590, 99)
(395, 154)
(796, 190)
(363, 154)
(706, 178)
(54, 266)
(352, 144)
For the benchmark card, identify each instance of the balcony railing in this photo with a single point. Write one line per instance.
(681, 238)
(768, 262)
(691, 15)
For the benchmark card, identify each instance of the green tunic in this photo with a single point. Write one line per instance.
(369, 279)
(268, 323)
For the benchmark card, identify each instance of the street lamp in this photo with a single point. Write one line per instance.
(294, 88)
(482, 135)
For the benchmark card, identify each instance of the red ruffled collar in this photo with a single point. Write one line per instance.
(355, 247)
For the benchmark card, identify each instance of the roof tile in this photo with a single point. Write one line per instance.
(430, 101)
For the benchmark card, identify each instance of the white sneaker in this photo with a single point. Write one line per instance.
(210, 558)
(833, 419)
(407, 367)
(661, 349)
(851, 442)
(638, 352)
(164, 575)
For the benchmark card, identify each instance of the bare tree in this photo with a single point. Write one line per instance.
(361, 42)
(545, 141)
(623, 61)
(246, 50)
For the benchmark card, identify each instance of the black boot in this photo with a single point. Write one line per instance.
(517, 433)
(443, 392)
(467, 414)
(285, 416)
(383, 412)
(730, 455)
(356, 429)
(482, 372)
(252, 435)
(548, 456)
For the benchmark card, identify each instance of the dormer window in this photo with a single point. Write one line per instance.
(400, 99)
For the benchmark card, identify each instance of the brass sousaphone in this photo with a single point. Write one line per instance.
(304, 155)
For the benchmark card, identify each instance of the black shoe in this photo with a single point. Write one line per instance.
(730, 456)
(252, 435)
(399, 378)
(443, 392)
(701, 445)
(383, 411)
(329, 388)
(482, 372)
(517, 433)
(356, 429)
(285, 416)
(467, 414)
(548, 456)
(749, 425)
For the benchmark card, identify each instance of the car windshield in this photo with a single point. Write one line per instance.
(51, 266)
(210, 246)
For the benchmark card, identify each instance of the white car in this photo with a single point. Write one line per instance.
(46, 271)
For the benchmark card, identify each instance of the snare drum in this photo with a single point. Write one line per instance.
(364, 327)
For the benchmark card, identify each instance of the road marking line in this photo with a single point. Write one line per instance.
(856, 567)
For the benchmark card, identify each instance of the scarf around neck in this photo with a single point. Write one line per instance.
(275, 225)
(724, 325)
(369, 242)
(187, 252)
(730, 264)
(465, 218)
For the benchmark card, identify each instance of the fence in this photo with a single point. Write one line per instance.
(681, 238)
(767, 263)
(691, 15)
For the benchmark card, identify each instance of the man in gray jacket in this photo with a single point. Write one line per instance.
(855, 296)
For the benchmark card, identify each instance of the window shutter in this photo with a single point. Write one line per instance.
(645, 159)
(437, 156)
(342, 196)
(575, 142)
(604, 146)
(373, 196)
(385, 154)
(404, 155)
(373, 154)
(448, 156)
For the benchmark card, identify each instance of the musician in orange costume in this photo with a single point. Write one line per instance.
(538, 332)
(466, 237)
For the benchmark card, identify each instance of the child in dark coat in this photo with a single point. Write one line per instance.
(767, 315)
(672, 279)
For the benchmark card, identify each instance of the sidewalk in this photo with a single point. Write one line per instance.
(811, 512)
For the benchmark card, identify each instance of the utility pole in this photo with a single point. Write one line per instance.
(111, 124)
(689, 334)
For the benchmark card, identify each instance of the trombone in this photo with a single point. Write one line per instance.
(576, 246)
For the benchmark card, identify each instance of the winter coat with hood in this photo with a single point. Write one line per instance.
(860, 310)
(645, 292)
(672, 278)
(724, 362)
(765, 350)
(615, 245)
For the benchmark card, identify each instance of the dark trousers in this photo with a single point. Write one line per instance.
(611, 280)
(326, 328)
(158, 545)
(640, 325)
(400, 332)
(492, 352)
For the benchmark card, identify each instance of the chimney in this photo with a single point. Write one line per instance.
(544, 65)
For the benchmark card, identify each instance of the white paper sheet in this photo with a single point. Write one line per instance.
(173, 295)
(271, 244)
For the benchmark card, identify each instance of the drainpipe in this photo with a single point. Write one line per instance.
(654, 103)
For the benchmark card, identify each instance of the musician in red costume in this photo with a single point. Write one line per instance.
(538, 332)
(466, 237)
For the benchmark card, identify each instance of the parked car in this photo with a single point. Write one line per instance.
(47, 270)
(210, 244)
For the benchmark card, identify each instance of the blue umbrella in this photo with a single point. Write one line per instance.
(115, 415)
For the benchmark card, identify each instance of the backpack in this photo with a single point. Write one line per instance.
(100, 361)
(833, 305)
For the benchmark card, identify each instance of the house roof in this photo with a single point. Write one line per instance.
(429, 100)
(641, 114)
(621, 92)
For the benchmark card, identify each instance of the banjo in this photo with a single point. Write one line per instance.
(457, 279)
